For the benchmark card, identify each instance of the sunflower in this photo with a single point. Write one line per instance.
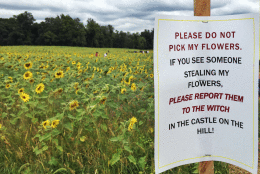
(150, 130)
(54, 123)
(132, 122)
(28, 65)
(67, 69)
(39, 88)
(7, 86)
(46, 123)
(11, 79)
(74, 104)
(27, 75)
(20, 90)
(59, 74)
(76, 85)
(73, 62)
(133, 87)
(31, 81)
(123, 90)
(25, 97)
(60, 90)
(103, 100)
(77, 89)
(151, 75)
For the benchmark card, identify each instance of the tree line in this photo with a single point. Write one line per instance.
(65, 31)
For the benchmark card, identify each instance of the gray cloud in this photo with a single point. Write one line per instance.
(125, 15)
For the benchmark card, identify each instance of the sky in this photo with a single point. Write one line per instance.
(123, 15)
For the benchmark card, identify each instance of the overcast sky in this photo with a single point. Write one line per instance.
(125, 15)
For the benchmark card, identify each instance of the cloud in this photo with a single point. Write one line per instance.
(126, 15)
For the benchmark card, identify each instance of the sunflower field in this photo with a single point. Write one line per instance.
(64, 110)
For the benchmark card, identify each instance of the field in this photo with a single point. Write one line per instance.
(63, 110)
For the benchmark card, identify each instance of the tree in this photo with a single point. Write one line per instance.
(24, 22)
(141, 42)
(93, 31)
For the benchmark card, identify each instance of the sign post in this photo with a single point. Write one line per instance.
(205, 91)
(202, 8)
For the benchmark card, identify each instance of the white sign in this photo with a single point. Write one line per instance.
(206, 90)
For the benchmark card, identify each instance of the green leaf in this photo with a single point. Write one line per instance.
(114, 139)
(68, 126)
(104, 127)
(4, 114)
(105, 116)
(45, 148)
(132, 159)
(37, 152)
(79, 110)
(113, 105)
(60, 148)
(45, 137)
(127, 148)
(13, 121)
(29, 115)
(142, 162)
(99, 113)
(59, 116)
(72, 117)
(115, 158)
(141, 110)
(35, 120)
(41, 107)
(37, 135)
(13, 115)
(55, 132)
(55, 141)
(140, 123)
(53, 161)
(62, 170)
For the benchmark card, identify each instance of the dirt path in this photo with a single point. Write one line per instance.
(237, 170)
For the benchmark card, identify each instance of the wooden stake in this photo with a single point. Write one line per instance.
(202, 8)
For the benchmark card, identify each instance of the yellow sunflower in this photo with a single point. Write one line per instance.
(60, 90)
(27, 75)
(28, 65)
(20, 90)
(73, 63)
(25, 97)
(151, 75)
(103, 100)
(31, 81)
(7, 86)
(133, 87)
(123, 90)
(46, 123)
(74, 104)
(67, 69)
(39, 88)
(59, 74)
(11, 79)
(132, 122)
(55, 123)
